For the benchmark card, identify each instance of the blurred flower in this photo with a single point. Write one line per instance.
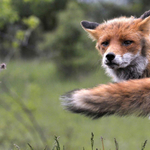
(3, 66)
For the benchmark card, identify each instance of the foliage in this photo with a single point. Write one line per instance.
(7, 13)
(32, 22)
(37, 1)
(15, 31)
(45, 10)
(22, 18)
(69, 45)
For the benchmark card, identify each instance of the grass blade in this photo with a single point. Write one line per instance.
(57, 143)
(45, 148)
(102, 143)
(116, 144)
(30, 146)
(17, 147)
(92, 140)
(143, 147)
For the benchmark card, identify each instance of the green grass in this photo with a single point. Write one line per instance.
(56, 145)
(31, 112)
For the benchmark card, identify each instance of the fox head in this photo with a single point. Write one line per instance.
(123, 43)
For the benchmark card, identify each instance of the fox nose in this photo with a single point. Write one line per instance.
(110, 56)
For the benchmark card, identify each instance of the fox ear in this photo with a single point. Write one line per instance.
(144, 25)
(90, 27)
(145, 15)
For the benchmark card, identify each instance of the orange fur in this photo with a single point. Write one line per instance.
(121, 29)
(119, 38)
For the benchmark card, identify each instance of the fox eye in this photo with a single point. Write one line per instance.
(105, 43)
(127, 42)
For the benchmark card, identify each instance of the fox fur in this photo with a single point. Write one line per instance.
(124, 44)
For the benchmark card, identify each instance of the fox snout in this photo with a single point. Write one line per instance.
(110, 56)
(109, 60)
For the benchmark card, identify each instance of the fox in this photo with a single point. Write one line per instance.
(124, 44)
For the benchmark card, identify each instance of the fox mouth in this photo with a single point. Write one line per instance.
(121, 61)
(112, 65)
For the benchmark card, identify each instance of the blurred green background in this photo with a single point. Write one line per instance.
(47, 54)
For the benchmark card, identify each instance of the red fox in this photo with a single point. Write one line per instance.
(124, 44)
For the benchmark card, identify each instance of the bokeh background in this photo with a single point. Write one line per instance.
(47, 54)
